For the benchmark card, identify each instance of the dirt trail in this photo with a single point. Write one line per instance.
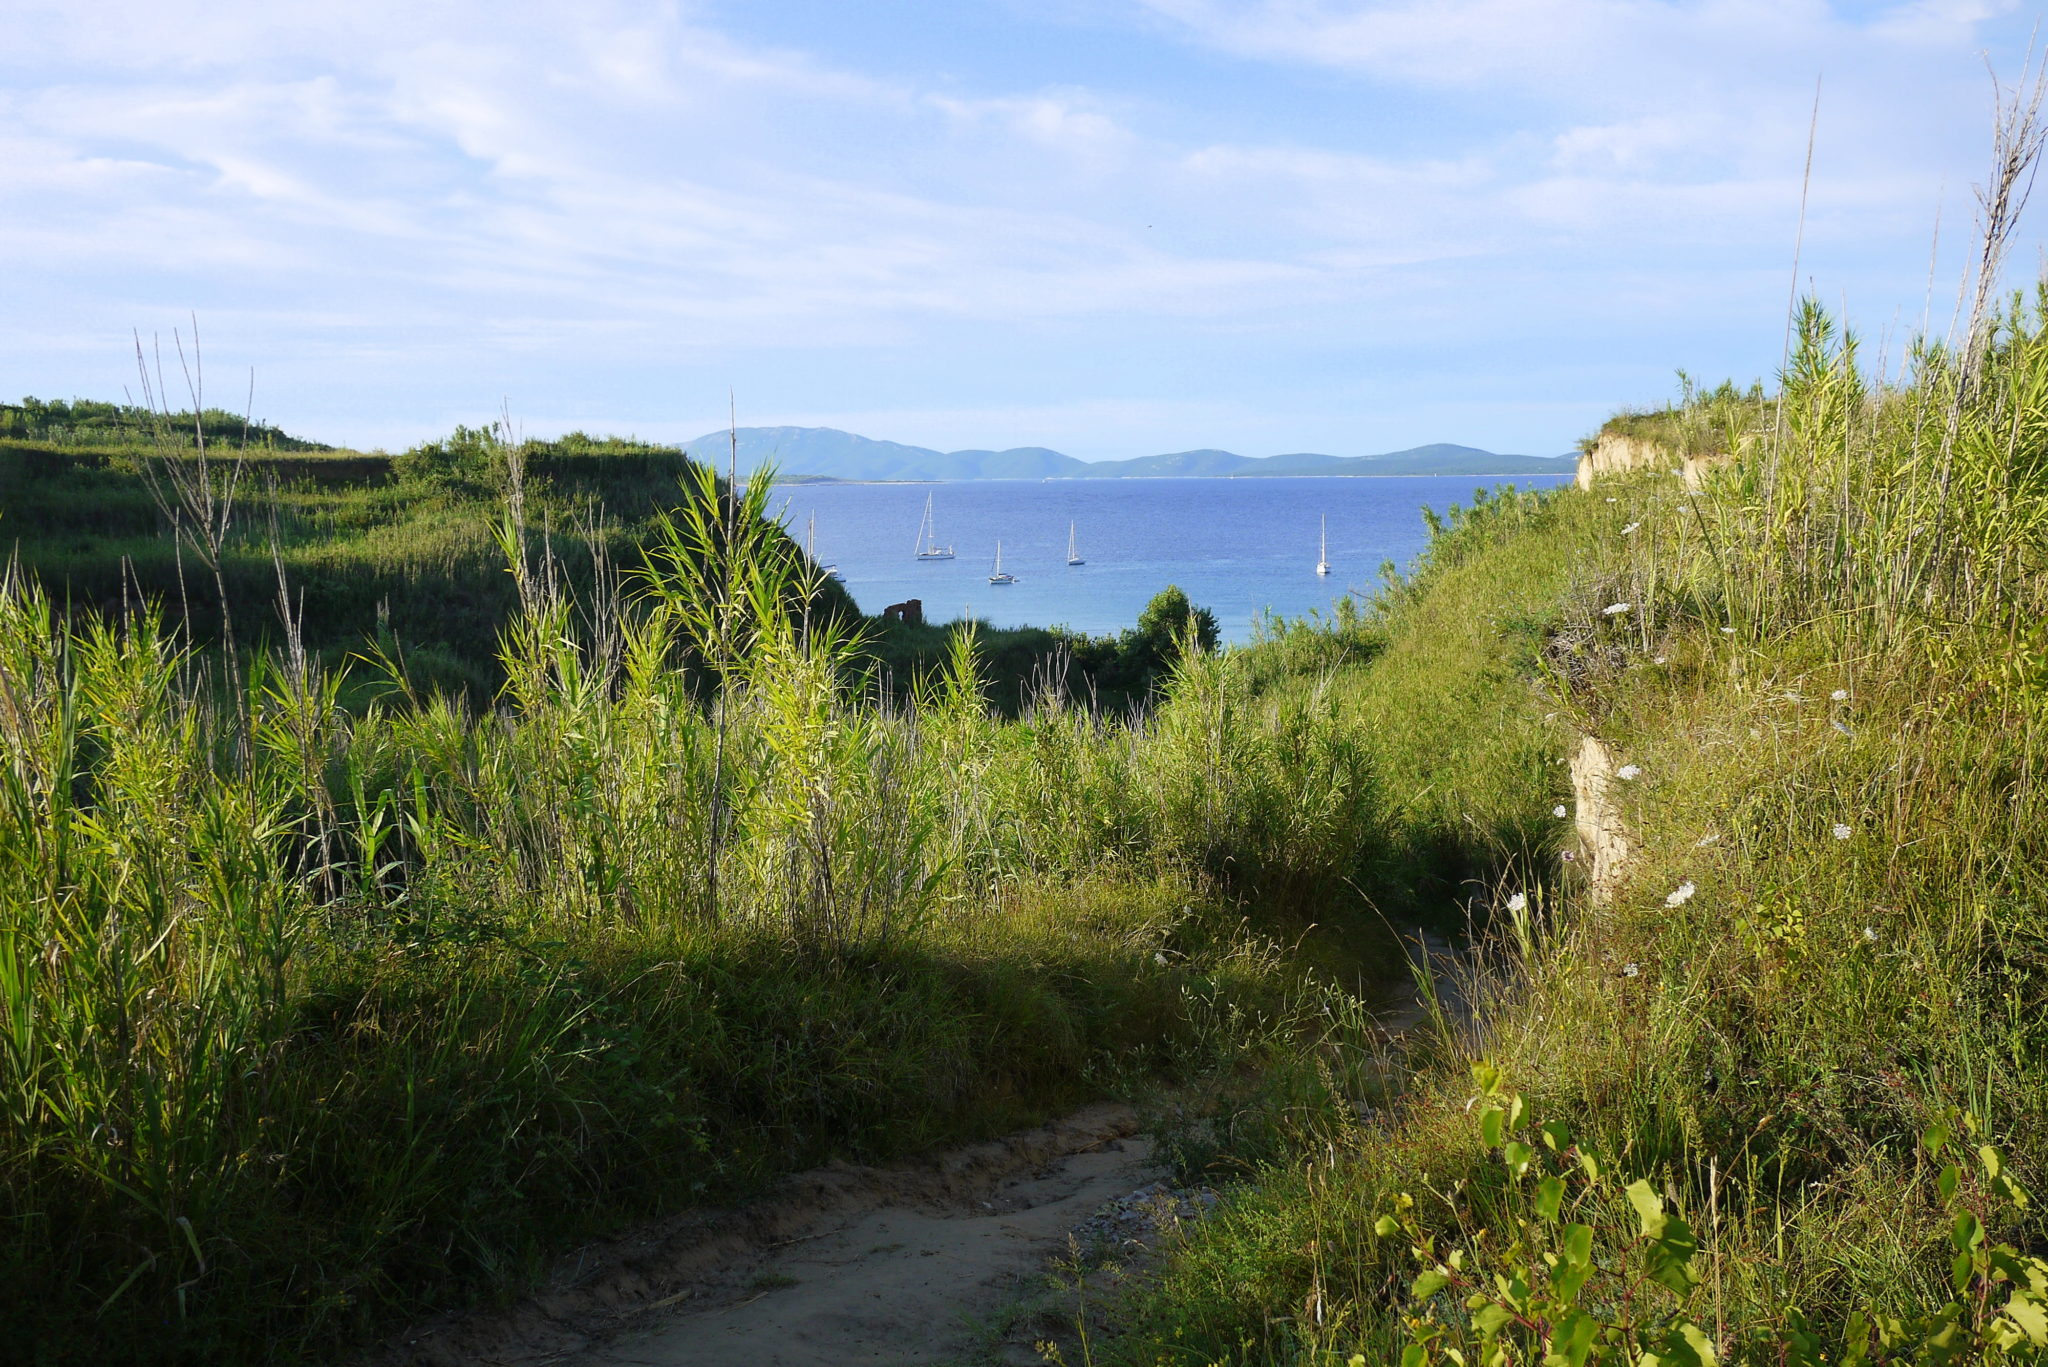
(844, 1264)
(910, 1282)
(904, 1264)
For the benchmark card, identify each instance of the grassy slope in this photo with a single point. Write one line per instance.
(1468, 744)
(1463, 738)
(319, 1016)
(401, 552)
(1776, 1038)
(1850, 791)
(440, 1126)
(391, 551)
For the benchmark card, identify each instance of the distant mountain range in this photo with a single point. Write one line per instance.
(828, 452)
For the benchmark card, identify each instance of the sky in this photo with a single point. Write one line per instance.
(1112, 227)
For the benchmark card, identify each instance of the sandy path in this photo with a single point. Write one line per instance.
(840, 1265)
(843, 1264)
(902, 1283)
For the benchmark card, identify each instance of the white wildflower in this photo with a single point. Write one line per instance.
(1630, 529)
(1840, 695)
(1841, 832)
(1681, 894)
(1518, 903)
(1630, 970)
(1616, 609)
(1869, 936)
(1629, 771)
(1558, 810)
(1659, 660)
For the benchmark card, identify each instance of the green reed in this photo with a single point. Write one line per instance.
(319, 1010)
(1825, 667)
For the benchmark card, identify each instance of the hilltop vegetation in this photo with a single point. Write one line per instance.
(322, 1004)
(1775, 1094)
(318, 1014)
(380, 552)
(1703, 423)
(91, 422)
(401, 555)
(299, 990)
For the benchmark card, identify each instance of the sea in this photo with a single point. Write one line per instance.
(1240, 547)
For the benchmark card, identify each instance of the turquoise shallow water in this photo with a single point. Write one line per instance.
(1237, 546)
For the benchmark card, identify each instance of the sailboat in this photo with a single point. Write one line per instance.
(928, 547)
(1073, 555)
(996, 574)
(1323, 556)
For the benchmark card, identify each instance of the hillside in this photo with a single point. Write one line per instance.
(88, 422)
(398, 553)
(326, 1009)
(825, 451)
(1745, 1062)
(1730, 791)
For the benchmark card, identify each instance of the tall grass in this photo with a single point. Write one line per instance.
(318, 1010)
(1827, 669)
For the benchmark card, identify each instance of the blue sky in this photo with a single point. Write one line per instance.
(1114, 227)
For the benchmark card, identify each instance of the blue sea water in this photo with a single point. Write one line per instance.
(1240, 547)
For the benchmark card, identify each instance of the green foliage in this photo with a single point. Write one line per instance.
(1822, 671)
(1703, 423)
(393, 555)
(1560, 1274)
(88, 422)
(470, 461)
(1024, 666)
(315, 1011)
(1169, 622)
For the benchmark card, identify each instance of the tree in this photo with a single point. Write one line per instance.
(1163, 625)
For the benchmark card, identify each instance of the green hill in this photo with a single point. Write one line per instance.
(398, 551)
(1745, 1061)
(90, 422)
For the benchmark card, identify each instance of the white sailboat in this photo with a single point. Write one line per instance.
(1073, 554)
(1323, 556)
(996, 574)
(928, 547)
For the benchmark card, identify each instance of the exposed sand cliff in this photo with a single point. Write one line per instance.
(1613, 454)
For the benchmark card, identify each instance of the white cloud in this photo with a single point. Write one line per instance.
(1938, 21)
(1570, 52)
(463, 191)
(1064, 121)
